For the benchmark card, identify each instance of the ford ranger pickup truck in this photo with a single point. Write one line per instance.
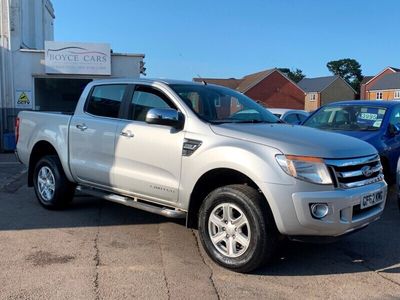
(208, 154)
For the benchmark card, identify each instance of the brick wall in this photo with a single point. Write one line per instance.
(276, 91)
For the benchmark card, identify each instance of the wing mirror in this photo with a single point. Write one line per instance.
(165, 116)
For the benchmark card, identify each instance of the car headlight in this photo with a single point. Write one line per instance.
(311, 169)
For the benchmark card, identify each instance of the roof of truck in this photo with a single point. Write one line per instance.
(144, 80)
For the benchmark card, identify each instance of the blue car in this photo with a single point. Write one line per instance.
(376, 122)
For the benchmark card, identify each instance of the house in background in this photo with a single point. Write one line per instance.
(271, 87)
(369, 81)
(385, 88)
(324, 90)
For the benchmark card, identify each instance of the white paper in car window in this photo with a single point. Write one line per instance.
(377, 123)
(368, 116)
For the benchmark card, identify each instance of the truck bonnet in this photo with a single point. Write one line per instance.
(297, 140)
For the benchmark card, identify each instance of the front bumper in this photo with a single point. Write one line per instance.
(291, 209)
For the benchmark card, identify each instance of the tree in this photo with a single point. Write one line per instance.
(295, 75)
(349, 69)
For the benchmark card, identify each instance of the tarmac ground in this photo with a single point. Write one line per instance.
(101, 250)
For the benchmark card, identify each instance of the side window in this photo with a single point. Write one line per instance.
(105, 100)
(395, 117)
(291, 119)
(301, 117)
(144, 99)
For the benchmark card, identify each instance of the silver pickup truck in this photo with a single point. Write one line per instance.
(208, 154)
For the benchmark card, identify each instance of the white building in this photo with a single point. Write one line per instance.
(33, 79)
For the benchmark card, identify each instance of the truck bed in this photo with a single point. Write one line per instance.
(51, 127)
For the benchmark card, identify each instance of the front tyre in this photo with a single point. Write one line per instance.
(236, 228)
(52, 188)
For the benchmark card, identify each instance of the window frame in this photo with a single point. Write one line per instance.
(396, 94)
(121, 107)
(128, 106)
(379, 97)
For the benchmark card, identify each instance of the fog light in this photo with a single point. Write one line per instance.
(319, 210)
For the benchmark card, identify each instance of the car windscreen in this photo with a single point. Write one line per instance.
(218, 105)
(347, 118)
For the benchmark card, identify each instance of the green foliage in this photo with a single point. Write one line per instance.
(349, 69)
(295, 75)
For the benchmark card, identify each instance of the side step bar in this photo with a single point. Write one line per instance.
(133, 202)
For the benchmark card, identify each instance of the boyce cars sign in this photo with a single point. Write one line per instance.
(77, 58)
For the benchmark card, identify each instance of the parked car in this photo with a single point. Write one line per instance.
(376, 122)
(290, 116)
(182, 150)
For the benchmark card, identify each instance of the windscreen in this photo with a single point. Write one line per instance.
(349, 118)
(218, 105)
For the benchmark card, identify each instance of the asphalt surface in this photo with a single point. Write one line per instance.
(101, 250)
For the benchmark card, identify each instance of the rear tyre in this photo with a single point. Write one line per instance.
(236, 228)
(52, 188)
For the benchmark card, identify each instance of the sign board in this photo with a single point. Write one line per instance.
(23, 99)
(77, 58)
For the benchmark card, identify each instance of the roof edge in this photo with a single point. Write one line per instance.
(388, 67)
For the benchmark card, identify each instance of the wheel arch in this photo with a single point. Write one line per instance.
(208, 182)
(41, 149)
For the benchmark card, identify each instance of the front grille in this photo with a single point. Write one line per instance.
(355, 172)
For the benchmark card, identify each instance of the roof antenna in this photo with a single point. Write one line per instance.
(202, 80)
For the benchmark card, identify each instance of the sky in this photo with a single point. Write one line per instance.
(183, 39)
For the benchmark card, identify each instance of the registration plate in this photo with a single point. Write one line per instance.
(371, 199)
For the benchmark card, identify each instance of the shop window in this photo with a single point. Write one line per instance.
(105, 100)
(58, 94)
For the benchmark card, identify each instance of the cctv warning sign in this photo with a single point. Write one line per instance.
(23, 99)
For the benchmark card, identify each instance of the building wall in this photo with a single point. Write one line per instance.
(386, 95)
(364, 89)
(30, 63)
(339, 90)
(34, 23)
(312, 101)
(276, 91)
(23, 24)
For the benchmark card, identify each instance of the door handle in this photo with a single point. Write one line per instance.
(127, 134)
(81, 127)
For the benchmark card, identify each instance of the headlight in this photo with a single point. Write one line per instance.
(311, 169)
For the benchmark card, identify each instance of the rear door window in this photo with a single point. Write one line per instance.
(105, 100)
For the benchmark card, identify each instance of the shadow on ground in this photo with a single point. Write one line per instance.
(374, 248)
(20, 210)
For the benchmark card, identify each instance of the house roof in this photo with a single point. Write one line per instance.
(366, 79)
(247, 82)
(317, 84)
(251, 80)
(395, 70)
(387, 82)
(241, 85)
(228, 82)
